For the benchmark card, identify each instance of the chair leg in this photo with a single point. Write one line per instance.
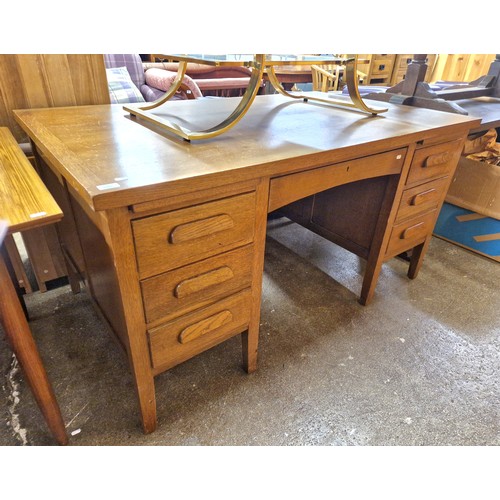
(19, 335)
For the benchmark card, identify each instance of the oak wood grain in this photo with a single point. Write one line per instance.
(218, 322)
(25, 202)
(196, 285)
(112, 160)
(289, 188)
(203, 230)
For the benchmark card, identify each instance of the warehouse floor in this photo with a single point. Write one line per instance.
(419, 366)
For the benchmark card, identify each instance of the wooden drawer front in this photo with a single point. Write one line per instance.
(292, 187)
(382, 66)
(197, 285)
(183, 338)
(404, 61)
(173, 239)
(434, 161)
(421, 198)
(410, 233)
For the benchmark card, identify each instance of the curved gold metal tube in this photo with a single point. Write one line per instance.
(273, 79)
(352, 84)
(230, 121)
(181, 71)
(351, 75)
(258, 66)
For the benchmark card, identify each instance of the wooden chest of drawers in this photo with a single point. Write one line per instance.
(379, 70)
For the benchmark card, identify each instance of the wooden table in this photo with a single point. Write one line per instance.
(288, 76)
(486, 108)
(25, 203)
(173, 233)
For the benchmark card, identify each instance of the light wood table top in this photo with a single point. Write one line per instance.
(112, 161)
(25, 202)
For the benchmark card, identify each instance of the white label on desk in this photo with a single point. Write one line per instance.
(111, 185)
(38, 214)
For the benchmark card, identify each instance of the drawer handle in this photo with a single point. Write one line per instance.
(438, 159)
(193, 285)
(205, 326)
(198, 229)
(411, 231)
(422, 197)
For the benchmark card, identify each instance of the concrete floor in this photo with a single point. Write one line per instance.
(419, 366)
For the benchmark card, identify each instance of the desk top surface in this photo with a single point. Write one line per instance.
(111, 160)
(486, 108)
(25, 202)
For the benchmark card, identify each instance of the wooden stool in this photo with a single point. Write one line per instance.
(25, 203)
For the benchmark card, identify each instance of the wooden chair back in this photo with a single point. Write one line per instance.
(325, 78)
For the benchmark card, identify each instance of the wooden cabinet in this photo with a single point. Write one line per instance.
(379, 70)
(401, 67)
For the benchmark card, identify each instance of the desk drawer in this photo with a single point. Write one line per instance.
(197, 285)
(404, 61)
(174, 239)
(382, 66)
(434, 161)
(410, 233)
(292, 187)
(421, 198)
(183, 338)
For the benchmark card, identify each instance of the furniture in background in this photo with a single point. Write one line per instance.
(331, 78)
(131, 80)
(259, 64)
(40, 81)
(220, 81)
(401, 63)
(414, 91)
(325, 79)
(25, 203)
(379, 69)
(174, 246)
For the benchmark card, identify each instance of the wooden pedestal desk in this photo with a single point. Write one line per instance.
(171, 234)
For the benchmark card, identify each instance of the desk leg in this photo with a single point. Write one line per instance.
(120, 233)
(250, 338)
(417, 258)
(19, 335)
(377, 254)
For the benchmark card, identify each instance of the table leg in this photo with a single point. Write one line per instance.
(250, 338)
(122, 242)
(19, 335)
(417, 258)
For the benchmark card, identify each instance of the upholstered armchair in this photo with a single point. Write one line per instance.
(131, 80)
